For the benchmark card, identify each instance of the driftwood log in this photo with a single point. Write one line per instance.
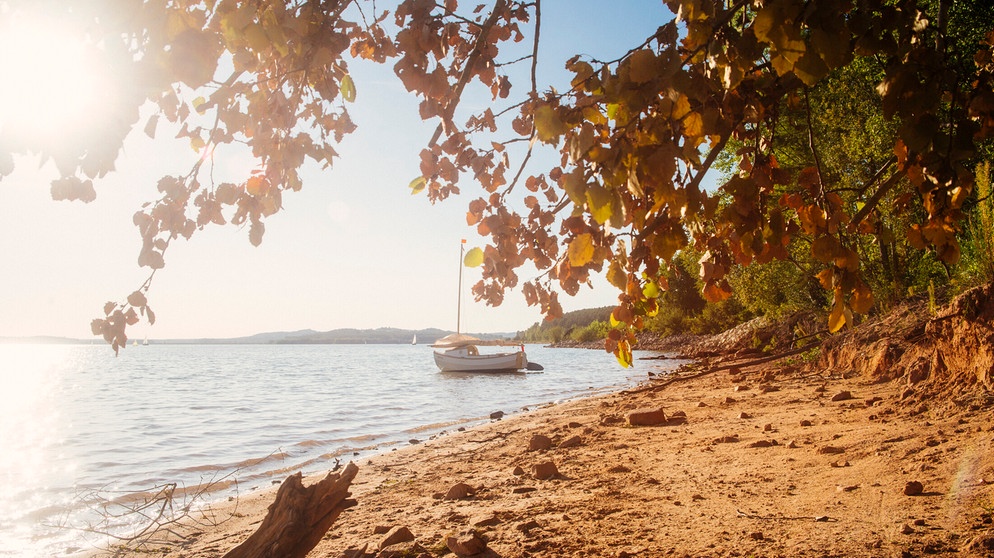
(299, 517)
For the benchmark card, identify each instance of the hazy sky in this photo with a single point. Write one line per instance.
(352, 249)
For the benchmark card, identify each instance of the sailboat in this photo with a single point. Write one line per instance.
(414, 341)
(461, 353)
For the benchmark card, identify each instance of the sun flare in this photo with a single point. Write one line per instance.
(50, 82)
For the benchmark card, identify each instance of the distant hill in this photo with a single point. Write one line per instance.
(556, 329)
(345, 336)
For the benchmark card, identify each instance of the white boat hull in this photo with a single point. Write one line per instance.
(460, 360)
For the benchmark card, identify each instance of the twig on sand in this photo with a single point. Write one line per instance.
(820, 518)
(503, 435)
(670, 379)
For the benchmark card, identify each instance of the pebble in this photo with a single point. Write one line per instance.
(545, 470)
(647, 417)
(397, 535)
(913, 488)
(539, 442)
(465, 543)
(459, 491)
(842, 396)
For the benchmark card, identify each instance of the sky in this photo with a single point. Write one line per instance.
(352, 249)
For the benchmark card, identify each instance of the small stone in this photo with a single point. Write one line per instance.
(517, 471)
(678, 414)
(767, 427)
(574, 424)
(381, 529)
(523, 489)
(397, 535)
(497, 415)
(730, 439)
(745, 415)
(696, 497)
(729, 400)
(488, 520)
(465, 543)
(742, 387)
(571, 442)
(414, 441)
(539, 442)
(619, 469)
(822, 519)
(806, 423)
(906, 529)
(545, 470)
(756, 536)
(793, 444)
(830, 450)
(842, 396)
(701, 404)
(913, 488)
(918, 523)
(646, 417)
(762, 444)
(459, 491)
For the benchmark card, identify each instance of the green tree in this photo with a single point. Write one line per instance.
(636, 135)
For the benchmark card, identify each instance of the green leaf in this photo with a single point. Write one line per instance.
(417, 185)
(473, 258)
(348, 88)
(651, 290)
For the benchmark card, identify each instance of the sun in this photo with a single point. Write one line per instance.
(50, 83)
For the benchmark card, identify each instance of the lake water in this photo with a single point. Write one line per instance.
(78, 423)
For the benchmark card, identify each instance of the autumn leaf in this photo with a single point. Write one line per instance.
(581, 250)
(548, 126)
(862, 299)
(642, 66)
(347, 87)
(623, 352)
(473, 258)
(417, 185)
(837, 318)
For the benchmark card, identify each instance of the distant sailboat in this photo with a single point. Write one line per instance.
(415, 340)
(460, 353)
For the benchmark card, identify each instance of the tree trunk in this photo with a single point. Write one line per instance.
(299, 517)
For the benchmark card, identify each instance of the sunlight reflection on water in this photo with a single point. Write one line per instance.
(76, 419)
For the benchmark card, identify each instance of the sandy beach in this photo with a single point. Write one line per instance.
(769, 460)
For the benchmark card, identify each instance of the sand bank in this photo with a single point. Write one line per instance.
(761, 461)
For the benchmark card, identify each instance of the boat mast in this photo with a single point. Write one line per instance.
(462, 248)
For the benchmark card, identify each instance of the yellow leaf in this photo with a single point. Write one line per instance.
(581, 250)
(862, 299)
(624, 354)
(837, 318)
(599, 202)
(681, 107)
(651, 290)
(616, 275)
(473, 258)
(417, 185)
(348, 88)
(693, 125)
(548, 126)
